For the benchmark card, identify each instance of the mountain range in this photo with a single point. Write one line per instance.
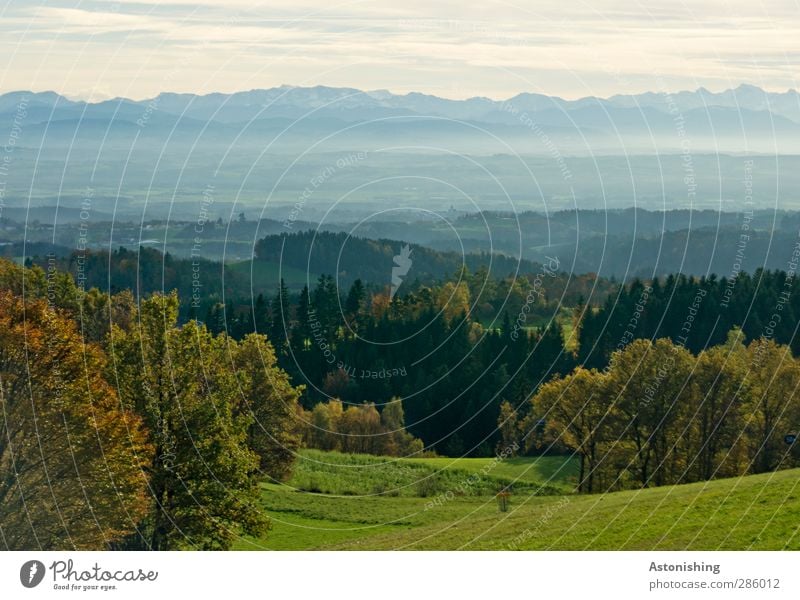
(356, 105)
(746, 118)
(341, 154)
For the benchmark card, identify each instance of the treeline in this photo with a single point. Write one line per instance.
(695, 252)
(695, 312)
(660, 415)
(454, 360)
(202, 284)
(123, 430)
(146, 271)
(352, 258)
(360, 429)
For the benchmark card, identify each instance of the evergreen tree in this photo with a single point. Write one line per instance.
(280, 321)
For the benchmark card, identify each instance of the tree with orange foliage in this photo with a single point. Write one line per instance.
(70, 457)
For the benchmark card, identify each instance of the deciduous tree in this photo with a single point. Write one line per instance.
(71, 457)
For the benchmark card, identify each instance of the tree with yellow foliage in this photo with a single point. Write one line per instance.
(578, 412)
(71, 458)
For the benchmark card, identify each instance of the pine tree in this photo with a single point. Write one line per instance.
(280, 321)
(354, 304)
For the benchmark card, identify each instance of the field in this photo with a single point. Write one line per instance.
(375, 507)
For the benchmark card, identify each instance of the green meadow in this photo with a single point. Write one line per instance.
(356, 502)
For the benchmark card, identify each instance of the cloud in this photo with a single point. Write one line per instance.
(499, 48)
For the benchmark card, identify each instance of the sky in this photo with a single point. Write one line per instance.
(457, 49)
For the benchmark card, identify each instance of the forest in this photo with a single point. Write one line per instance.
(669, 380)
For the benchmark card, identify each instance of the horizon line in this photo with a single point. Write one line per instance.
(87, 99)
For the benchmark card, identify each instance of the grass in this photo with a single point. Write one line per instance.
(551, 471)
(760, 512)
(364, 475)
(299, 527)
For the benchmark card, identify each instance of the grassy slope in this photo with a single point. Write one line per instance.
(758, 512)
(755, 512)
(552, 471)
(363, 475)
(365, 495)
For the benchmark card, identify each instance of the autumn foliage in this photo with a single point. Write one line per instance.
(660, 415)
(71, 457)
(120, 428)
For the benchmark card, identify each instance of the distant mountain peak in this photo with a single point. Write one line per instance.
(745, 113)
(384, 94)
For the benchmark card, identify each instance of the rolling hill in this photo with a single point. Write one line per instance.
(758, 512)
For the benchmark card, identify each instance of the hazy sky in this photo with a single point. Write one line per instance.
(450, 48)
